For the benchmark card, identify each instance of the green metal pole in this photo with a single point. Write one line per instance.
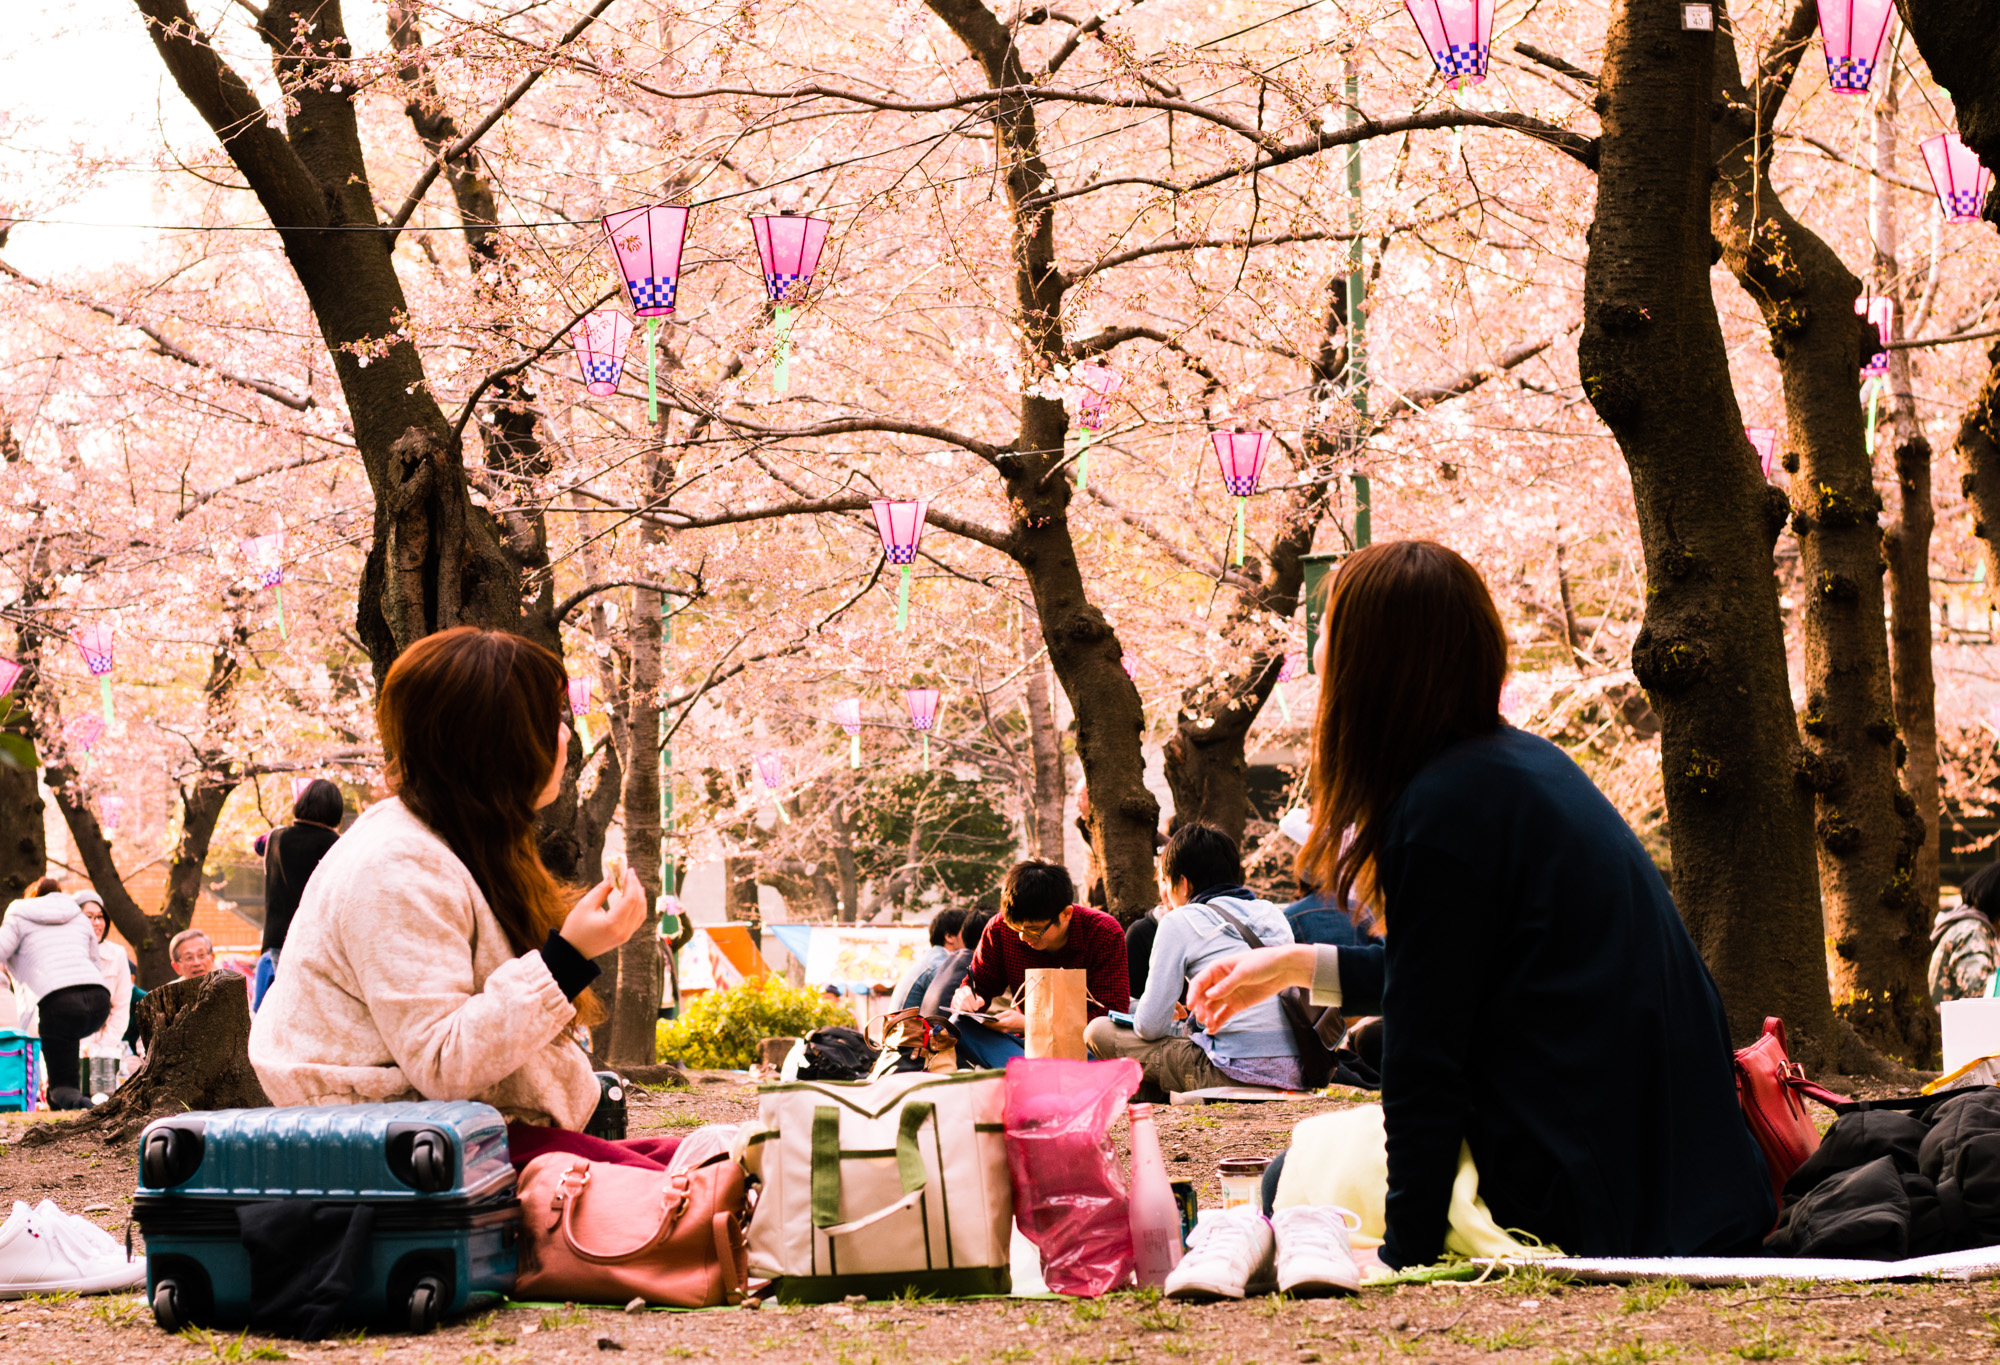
(1357, 309)
(666, 758)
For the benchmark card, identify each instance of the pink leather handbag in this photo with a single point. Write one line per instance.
(595, 1232)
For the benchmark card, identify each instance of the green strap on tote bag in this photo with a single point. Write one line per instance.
(827, 1156)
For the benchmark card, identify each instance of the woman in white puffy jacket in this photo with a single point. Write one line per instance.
(49, 948)
(116, 968)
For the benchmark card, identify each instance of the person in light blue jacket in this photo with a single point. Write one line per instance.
(1201, 876)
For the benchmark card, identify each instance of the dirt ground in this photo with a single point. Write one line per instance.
(1527, 1319)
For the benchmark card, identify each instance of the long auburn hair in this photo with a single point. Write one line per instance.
(468, 721)
(1415, 658)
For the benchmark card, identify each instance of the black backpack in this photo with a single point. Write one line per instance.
(836, 1054)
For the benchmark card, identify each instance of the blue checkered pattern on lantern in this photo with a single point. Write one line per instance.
(1242, 488)
(1850, 73)
(902, 554)
(651, 293)
(601, 371)
(1090, 412)
(783, 286)
(1461, 59)
(271, 578)
(1962, 203)
(97, 663)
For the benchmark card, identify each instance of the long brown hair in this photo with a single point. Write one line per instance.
(468, 721)
(1415, 657)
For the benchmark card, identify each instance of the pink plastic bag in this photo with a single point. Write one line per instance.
(1069, 1195)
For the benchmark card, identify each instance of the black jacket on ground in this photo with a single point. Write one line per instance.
(290, 855)
(1542, 1002)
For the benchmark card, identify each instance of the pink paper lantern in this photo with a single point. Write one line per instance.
(647, 242)
(266, 554)
(771, 769)
(1880, 310)
(95, 644)
(1766, 441)
(579, 695)
(1294, 664)
(299, 785)
(80, 732)
(10, 673)
(1960, 180)
(1853, 32)
(788, 247)
(848, 712)
(1099, 383)
(923, 704)
(1241, 456)
(600, 350)
(1458, 34)
(110, 811)
(901, 526)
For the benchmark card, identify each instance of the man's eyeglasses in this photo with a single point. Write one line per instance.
(1033, 931)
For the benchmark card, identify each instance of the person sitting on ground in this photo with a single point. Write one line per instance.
(950, 975)
(191, 953)
(290, 855)
(108, 1041)
(1543, 1006)
(1963, 951)
(1040, 925)
(909, 991)
(50, 951)
(1201, 883)
(1316, 917)
(432, 955)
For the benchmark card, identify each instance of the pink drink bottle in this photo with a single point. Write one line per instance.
(1156, 1217)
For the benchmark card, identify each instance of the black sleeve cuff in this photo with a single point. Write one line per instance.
(571, 969)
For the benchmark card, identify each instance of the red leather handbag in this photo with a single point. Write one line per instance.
(1773, 1090)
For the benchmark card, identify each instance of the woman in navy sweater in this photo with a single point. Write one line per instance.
(1541, 1000)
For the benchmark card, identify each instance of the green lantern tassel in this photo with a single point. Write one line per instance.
(927, 751)
(283, 634)
(583, 732)
(781, 381)
(854, 751)
(1242, 505)
(903, 600)
(1283, 704)
(1874, 396)
(1083, 460)
(652, 371)
(104, 695)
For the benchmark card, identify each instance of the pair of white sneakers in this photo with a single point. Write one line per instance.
(1302, 1251)
(46, 1251)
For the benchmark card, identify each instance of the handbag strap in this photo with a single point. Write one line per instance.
(1242, 929)
(677, 1203)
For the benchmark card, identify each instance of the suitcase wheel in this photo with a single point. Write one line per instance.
(431, 1163)
(169, 1156)
(167, 1310)
(426, 1304)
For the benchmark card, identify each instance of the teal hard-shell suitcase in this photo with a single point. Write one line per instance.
(436, 1174)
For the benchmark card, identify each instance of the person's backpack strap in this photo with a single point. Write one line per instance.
(1316, 1060)
(1242, 929)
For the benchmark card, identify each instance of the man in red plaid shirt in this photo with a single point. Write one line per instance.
(1040, 927)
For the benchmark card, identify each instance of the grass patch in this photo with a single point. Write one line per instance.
(569, 1315)
(239, 1347)
(1648, 1295)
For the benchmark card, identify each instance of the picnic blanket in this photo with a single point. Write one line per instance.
(1980, 1263)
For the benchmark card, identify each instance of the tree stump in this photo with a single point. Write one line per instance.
(197, 1038)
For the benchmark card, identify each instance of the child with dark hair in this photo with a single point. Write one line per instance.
(908, 992)
(1208, 911)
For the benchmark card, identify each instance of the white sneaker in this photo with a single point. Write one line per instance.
(1228, 1255)
(1314, 1258)
(43, 1256)
(83, 1236)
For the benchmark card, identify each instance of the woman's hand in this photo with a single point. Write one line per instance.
(1011, 1021)
(1223, 990)
(606, 917)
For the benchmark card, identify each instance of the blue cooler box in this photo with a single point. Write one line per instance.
(20, 1071)
(436, 1174)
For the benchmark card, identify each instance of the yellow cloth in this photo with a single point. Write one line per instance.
(1343, 1158)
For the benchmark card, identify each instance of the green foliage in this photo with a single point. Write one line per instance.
(962, 842)
(721, 1030)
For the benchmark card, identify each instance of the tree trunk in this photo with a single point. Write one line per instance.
(1711, 649)
(740, 895)
(1046, 799)
(1083, 649)
(1906, 546)
(843, 861)
(197, 1038)
(436, 559)
(1867, 832)
(1978, 451)
(24, 854)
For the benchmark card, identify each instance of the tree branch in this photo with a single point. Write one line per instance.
(508, 371)
(485, 125)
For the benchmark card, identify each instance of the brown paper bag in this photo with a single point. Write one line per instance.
(1054, 1001)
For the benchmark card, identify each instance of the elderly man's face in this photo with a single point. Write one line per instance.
(196, 958)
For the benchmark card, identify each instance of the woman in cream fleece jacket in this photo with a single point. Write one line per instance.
(430, 956)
